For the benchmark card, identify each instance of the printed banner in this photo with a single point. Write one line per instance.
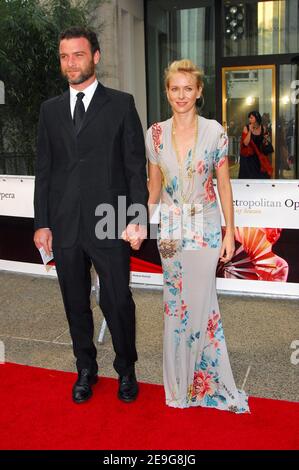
(266, 218)
(266, 204)
(16, 196)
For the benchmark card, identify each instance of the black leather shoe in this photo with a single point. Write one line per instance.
(82, 388)
(128, 388)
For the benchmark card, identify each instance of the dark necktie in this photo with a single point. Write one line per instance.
(79, 111)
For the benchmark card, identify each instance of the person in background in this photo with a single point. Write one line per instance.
(254, 150)
(266, 123)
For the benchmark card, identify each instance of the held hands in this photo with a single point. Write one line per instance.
(43, 238)
(134, 234)
(228, 247)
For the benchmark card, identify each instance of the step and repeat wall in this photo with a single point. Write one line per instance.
(266, 260)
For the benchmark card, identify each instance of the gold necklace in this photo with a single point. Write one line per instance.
(190, 173)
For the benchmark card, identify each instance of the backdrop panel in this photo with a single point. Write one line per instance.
(267, 233)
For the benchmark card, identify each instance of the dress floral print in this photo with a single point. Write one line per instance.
(196, 367)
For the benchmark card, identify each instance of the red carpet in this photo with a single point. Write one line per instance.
(37, 413)
(140, 265)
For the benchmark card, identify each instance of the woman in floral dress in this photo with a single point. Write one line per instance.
(182, 153)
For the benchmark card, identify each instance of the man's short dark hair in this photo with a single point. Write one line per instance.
(80, 32)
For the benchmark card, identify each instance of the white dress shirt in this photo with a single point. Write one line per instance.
(88, 94)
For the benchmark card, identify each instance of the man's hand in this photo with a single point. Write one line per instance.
(134, 234)
(43, 238)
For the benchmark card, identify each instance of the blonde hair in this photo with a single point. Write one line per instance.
(185, 66)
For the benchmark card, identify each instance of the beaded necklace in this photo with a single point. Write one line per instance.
(190, 173)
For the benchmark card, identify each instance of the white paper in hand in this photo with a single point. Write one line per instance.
(46, 258)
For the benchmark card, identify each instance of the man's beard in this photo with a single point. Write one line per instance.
(85, 75)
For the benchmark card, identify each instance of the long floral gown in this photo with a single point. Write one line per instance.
(196, 367)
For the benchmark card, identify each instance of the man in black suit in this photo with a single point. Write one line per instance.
(90, 152)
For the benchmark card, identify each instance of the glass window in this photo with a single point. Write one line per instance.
(258, 28)
(287, 122)
(247, 89)
(177, 30)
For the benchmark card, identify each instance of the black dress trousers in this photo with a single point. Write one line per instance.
(113, 268)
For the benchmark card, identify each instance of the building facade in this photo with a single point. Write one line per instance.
(247, 49)
(249, 53)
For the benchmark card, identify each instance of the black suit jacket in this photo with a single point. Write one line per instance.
(77, 172)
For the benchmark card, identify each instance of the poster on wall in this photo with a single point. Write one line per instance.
(267, 228)
(266, 259)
